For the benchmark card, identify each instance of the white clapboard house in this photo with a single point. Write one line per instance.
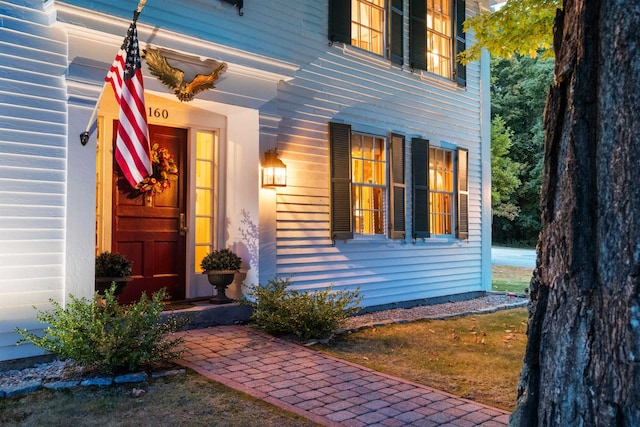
(384, 136)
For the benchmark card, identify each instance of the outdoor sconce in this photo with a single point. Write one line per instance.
(274, 172)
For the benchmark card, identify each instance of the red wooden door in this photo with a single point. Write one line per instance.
(148, 229)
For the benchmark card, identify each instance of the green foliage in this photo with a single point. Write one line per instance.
(504, 171)
(108, 336)
(281, 311)
(112, 265)
(518, 94)
(523, 27)
(221, 259)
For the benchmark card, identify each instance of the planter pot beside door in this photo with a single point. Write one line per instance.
(220, 279)
(112, 267)
(104, 283)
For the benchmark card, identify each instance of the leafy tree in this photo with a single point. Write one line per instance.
(520, 27)
(504, 171)
(518, 92)
(518, 36)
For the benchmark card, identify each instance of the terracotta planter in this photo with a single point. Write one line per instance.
(104, 283)
(220, 279)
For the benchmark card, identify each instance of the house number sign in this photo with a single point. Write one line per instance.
(158, 113)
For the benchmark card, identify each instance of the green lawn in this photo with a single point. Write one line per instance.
(510, 279)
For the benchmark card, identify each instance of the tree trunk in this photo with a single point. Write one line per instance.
(581, 366)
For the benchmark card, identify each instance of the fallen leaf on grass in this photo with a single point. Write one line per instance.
(137, 392)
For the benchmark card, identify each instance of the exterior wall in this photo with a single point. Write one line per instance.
(33, 163)
(283, 85)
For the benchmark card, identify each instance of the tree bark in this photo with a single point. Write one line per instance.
(581, 365)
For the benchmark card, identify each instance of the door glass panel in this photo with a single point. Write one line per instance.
(204, 209)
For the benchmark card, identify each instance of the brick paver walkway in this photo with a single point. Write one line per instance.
(321, 388)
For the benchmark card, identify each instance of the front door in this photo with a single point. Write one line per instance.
(150, 229)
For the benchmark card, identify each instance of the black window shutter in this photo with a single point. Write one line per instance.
(420, 177)
(463, 194)
(340, 21)
(340, 165)
(418, 34)
(398, 229)
(395, 32)
(461, 42)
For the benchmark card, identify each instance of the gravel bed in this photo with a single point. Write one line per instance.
(66, 370)
(489, 303)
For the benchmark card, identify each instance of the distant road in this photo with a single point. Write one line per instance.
(513, 257)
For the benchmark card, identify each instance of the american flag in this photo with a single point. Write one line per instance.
(132, 140)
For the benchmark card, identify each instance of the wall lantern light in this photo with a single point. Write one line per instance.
(274, 172)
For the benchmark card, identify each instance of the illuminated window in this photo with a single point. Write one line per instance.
(367, 24)
(369, 184)
(204, 208)
(441, 191)
(439, 37)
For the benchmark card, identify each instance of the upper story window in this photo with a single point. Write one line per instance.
(436, 37)
(367, 25)
(372, 25)
(439, 42)
(368, 183)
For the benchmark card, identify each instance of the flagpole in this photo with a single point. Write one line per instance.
(84, 136)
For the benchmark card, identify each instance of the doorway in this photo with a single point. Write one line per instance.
(150, 229)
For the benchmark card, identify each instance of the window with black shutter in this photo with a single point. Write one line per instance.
(340, 21)
(397, 226)
(420, 177)
(440, 191)
(436, 37)
(461, 42)
(396, 32)
(463, 194)
(370, 25)
(418, 34)
(340, 168)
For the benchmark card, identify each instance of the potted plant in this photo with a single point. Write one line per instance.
(110, 268)
(220, 266)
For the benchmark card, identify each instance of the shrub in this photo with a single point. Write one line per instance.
(281, 311)
(112, 265)
(108, 336)
(220, 260)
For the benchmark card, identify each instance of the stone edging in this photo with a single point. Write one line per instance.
(103, 381)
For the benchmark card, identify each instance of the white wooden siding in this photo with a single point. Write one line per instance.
(32, 170)
(360, 89)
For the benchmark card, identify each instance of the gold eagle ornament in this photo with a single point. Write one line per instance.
(174, 79)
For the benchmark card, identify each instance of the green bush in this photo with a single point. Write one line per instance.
(112, 265)
(281, 311)
(108, 336)
(220, 260)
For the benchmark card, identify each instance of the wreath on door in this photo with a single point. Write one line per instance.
(165, 170)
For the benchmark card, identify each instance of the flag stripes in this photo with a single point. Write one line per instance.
(132, 139)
